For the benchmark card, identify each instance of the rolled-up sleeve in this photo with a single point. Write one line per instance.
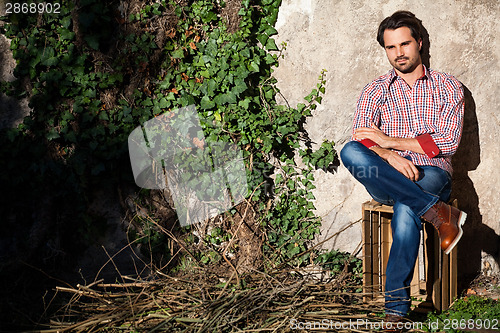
(428, 145)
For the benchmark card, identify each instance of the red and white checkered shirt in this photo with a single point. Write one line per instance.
(432, 112)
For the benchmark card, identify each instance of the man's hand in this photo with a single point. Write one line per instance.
(403, 165)
(375, 134)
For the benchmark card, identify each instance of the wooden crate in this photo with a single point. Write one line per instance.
(435, 274)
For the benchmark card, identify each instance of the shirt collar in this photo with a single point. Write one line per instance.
(393, 75)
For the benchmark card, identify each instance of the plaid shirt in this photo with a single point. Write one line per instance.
(432, 112)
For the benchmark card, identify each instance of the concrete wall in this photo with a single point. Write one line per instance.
(340, 36)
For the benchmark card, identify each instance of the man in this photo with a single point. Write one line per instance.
(407, 125)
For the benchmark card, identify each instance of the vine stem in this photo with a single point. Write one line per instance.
(235, 271)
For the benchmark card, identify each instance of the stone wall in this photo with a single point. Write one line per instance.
(12, 110)
(339, 36)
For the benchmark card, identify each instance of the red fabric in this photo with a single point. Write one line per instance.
(428, 145)
(368, 143)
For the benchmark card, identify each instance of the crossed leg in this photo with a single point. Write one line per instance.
(410, 200)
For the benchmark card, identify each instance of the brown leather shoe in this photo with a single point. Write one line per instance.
(448, 222)
(391, 323)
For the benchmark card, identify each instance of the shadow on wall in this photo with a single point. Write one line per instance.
(426, 44)
(477, 236)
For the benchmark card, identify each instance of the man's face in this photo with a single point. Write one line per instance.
(402, 49)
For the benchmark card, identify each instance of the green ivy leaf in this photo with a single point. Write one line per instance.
(52, 61)
(253, 67)
(271, 45)
(207, 103)
(66, 34)
(270, 31)
(178, 54)
(52, 134)
(245, 103)
(163, 103)
(262, 38)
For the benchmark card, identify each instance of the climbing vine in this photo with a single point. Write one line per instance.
(92, 74)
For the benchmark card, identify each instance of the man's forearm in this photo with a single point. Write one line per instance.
(405, 144)
(375, 135)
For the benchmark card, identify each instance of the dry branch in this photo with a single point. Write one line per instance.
(193, 304)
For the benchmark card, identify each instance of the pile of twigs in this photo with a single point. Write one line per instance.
(205, 302)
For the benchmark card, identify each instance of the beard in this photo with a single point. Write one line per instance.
(407, 66)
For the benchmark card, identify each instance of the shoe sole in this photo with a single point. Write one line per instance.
(461, 221)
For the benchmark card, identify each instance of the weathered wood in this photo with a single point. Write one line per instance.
(439, 272)
(375, 252)
(386, 241)
(367, 253)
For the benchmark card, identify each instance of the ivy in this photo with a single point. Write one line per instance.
(76, 135)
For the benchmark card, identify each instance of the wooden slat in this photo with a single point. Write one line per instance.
(453, 264)
(428, 260)
(415, 281)
(367, 252)
(378, 207)
(375, 251)
(421, 263)
(437, 291)
(385, 242)
(445, 281)
(453, 274)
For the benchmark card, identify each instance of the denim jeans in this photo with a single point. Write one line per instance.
(410, 200)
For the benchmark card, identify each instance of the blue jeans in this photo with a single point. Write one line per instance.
(410, 201)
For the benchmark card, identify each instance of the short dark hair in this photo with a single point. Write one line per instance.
(401, 18)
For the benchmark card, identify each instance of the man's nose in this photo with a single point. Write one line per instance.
(399, 51)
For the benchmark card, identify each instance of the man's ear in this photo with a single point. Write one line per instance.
(420, 44)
